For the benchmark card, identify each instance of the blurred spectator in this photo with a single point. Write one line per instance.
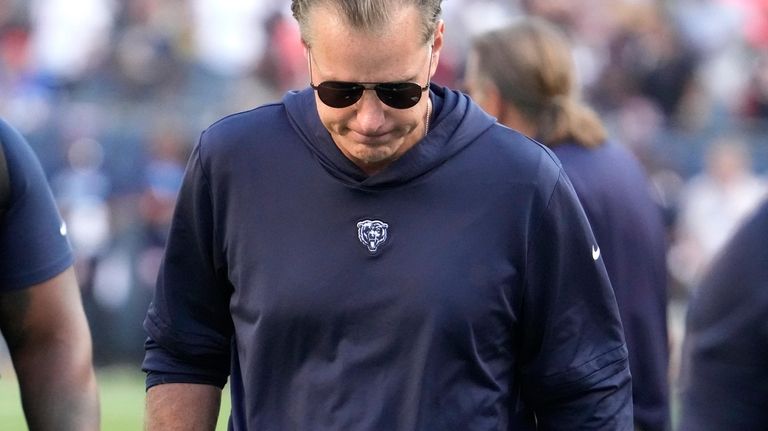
(713, 29)
(524, 75)
(58, 27)
(147, 57)
(124, 276)
(756, 100)
(646, 59)
(229, 36)
(465, 19)
(163, 174)
(81, 190)
(713, 205)
(23, 101)
(228, 40)
(725, 372)
(284, 64)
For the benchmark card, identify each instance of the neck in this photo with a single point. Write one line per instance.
(514, 119)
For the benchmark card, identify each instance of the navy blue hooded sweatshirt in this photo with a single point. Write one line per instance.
(457, 289)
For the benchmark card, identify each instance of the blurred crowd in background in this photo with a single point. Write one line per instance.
(113, 94)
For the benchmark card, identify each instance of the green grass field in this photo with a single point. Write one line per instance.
(122, 402)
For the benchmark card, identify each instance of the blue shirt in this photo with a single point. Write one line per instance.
(33, 242)
(455, 289)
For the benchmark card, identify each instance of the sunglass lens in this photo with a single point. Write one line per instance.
(339, 94)
(401, 95)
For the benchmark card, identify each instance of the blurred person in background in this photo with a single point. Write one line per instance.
(377, 253)
(724, 377)
(523, 74)
(148, 62)
(465, 19)
(81, 189)
(283, 65)
(67, 42)
(163, 175)
(712, 206)
(756, 97)
(41, 314)
(228, 41)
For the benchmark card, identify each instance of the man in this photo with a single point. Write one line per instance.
(523, 74)
(375, 253)
(724, 377)
(41, 314)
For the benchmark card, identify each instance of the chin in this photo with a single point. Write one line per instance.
(374, 157)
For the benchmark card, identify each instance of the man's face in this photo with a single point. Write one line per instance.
(370, 133)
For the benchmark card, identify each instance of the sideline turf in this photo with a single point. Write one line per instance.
(122, 401)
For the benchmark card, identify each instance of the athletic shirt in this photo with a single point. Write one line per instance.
(455, 289)
(627, 222)
(33, 241)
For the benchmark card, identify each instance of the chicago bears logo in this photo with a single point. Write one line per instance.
(372, 233)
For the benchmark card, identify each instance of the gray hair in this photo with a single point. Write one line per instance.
(367, 15)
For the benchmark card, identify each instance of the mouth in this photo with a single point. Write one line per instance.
(371, 139)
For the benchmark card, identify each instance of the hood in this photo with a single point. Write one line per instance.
(455, 122)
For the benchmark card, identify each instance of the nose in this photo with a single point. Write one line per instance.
(370, 113)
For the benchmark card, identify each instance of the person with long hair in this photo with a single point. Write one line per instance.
(524, 75)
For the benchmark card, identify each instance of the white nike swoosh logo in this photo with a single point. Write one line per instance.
(63, 229)
(595, 252)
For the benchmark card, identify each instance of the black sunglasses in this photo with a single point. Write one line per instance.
(341, 94)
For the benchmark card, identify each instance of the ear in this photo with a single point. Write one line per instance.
(437, 45)
(492, 101)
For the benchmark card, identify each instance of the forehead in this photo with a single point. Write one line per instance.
(346, 53)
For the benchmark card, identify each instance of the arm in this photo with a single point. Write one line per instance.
(187, 356)
(50, 345)
(574, 366)
(182, 406)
